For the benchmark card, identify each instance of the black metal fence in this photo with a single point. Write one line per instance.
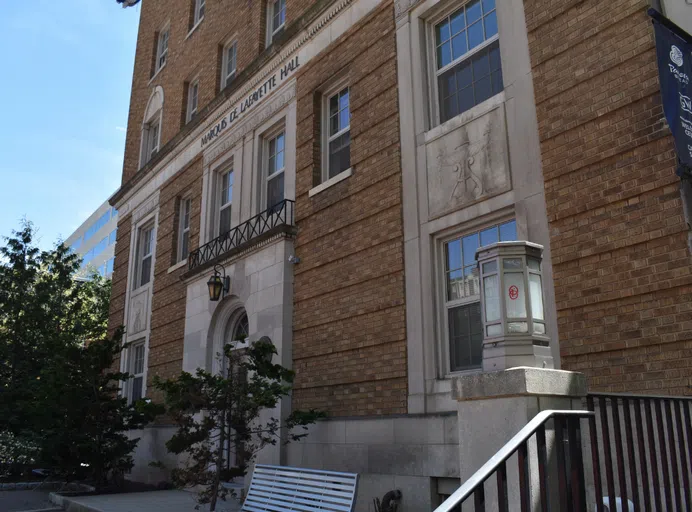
(281, 214)
(635, 454)
(642, 448)
(512, 470)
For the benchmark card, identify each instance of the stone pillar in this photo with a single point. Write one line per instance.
(493, 407)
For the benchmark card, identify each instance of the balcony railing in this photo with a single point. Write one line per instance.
(273, 220)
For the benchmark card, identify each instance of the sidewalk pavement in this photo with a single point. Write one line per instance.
(155, 501)
(18, 501)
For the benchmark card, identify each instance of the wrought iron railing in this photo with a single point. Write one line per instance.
(650, 440)
(636, 456)
(279, 215)
(568, 467)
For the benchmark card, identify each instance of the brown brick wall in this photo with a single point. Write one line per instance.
(119, 278)
(349, 342)
(623, 273)
(196, 56)
(169, 297)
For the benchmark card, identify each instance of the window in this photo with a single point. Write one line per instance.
(113, 236)
(462, 294)
(192, 100)
(162, 49)
(338, 143)
(467, 49)
(136, 371)
(236, 330)
(225, 199)
(76, 245)
(276, 18)
(184, 229)
(151, 140)
(145, 255)
(199, 11)
(97, 225)
(88, 256)
(100, 247)
(230, 53)
(151, 126)
(275, 148)
(109, 266)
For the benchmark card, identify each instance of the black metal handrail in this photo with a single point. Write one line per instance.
(281, 214)
(652, 440)
(570, 466)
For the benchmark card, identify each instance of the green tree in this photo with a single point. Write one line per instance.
(58, 389)
(220, 426)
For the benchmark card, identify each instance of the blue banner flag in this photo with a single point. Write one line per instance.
(674, 55)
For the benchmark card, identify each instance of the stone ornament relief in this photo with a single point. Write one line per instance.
(138, 313)
(467, 164)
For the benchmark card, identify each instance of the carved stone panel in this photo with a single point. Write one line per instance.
(468, 163)
(139, 311)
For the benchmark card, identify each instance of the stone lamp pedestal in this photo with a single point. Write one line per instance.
(518, 379)
(493, 407)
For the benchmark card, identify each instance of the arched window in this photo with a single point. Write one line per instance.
(151, 127)
(237, 329)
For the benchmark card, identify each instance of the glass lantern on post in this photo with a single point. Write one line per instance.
(514, 329)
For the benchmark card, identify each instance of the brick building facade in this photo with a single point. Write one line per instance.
(623, 271)
(342, 160)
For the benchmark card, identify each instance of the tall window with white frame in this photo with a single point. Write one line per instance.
(184, 228)
(145, 251)
(230, 53)
(199, 7)
(152, 133)
(275, 150)
(467, 55)
(192, 100)
(136, 370)
(276, 18)
(225, 201)
(162, 49)
(464, 326)
(337, 156)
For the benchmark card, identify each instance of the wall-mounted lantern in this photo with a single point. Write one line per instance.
(514, 326)
(218, 286)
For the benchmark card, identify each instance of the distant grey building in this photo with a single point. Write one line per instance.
(94, 241)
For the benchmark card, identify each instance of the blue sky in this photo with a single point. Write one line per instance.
(66, 73)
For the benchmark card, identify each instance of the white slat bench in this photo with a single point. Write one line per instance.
(283, 489)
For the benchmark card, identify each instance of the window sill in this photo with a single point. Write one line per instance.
(461, 373)
(157, 72)
(178, 265)
(330, 182)
(194, 28)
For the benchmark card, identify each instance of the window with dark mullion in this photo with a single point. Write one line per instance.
(146, 254)
(462, 294)
(275, 169)
(467, 54)
(136, 370)
(339, 136)
(471, 82)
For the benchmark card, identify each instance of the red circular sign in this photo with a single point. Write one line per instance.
(513, 292)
